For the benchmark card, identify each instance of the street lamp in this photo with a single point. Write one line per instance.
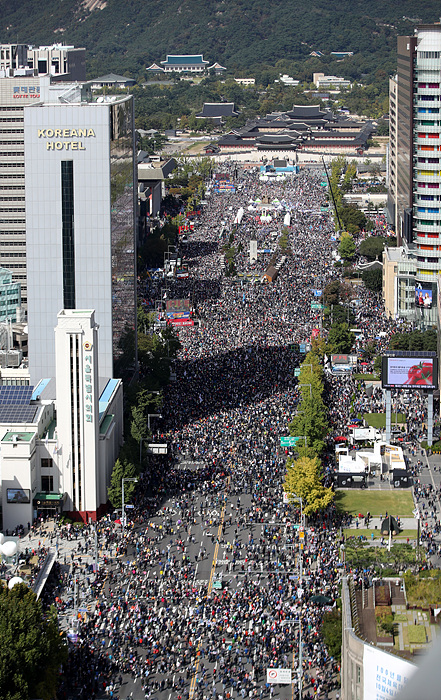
(310, 389)
(152, 415)
(300, 679)
(158, 393)
(126, 478)
(298, 498)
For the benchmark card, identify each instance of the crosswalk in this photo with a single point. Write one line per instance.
(280, 262)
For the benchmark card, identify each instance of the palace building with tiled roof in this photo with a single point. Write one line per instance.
(304, 128)
(185, 63)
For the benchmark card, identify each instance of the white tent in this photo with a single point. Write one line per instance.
(239, 216)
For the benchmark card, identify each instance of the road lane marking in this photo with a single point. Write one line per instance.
(209, 588)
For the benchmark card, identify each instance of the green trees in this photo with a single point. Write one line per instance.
(139, 426)
(122, 469)
(372, 247)
(347, 246)
(414, 340)
(311, 421)
(156, 244)
(139, 404)
(383, 128)
(340, 338)
(155, 351)
(284, 240)
(373, 279)
(331, 630)
(338, 313)
(353, 219)
(31, 648)
(350, 217)
(336, 292)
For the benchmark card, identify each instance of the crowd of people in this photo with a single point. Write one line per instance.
(234, 397)
(212, 512)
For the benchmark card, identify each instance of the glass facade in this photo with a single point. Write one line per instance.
(123, 193)
(404, 108)
(427, 156)
(10, 296)
(67, 214)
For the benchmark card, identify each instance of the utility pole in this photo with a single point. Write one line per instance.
(126, 478)
(96, 552)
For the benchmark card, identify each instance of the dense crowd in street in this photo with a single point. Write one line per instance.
(233, 399)
(209, 587)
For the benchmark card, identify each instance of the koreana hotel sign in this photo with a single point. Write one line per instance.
(53, 145)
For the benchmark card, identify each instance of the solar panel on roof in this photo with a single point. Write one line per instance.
(17, 414)
(15, 395)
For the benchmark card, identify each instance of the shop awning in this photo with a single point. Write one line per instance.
(48, 498)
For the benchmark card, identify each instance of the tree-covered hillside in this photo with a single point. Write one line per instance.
(127, 35)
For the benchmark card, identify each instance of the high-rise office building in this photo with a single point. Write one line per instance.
(81, 201)
(391, 154)
(15, 92)
(415, 161)
(406, 47)
(21, 67)
(65, 63)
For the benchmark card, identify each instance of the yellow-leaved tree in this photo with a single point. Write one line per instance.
(304, 479)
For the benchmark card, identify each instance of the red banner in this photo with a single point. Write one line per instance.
(181, 321)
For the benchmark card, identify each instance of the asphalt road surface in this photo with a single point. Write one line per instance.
(214, 569)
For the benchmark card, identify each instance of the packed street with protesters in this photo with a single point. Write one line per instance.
(210, 585)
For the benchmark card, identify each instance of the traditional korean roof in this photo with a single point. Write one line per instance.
(185, 60)
(276, 139)
(217, 67)
(234, 140)
(154, 68)
(113, 78)
(218, 109)
(306, 112)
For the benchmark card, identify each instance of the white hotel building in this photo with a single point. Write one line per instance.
(58, 444)
(81, 201)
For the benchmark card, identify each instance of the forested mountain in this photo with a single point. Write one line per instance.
(125, 36)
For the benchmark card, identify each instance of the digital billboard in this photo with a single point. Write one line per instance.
(409, 372)
(423, 296)
(178, 314)
(18, 496)
(176, 305)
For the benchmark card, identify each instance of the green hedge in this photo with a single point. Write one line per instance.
(436, 447)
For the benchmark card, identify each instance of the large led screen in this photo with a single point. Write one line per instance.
(423, 296)
(18, 496)
(410, 372)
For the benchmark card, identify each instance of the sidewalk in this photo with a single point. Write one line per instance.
(375, 524)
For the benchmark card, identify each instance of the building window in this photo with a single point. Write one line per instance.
(67, 213)
(47, 463)
(47, 484)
